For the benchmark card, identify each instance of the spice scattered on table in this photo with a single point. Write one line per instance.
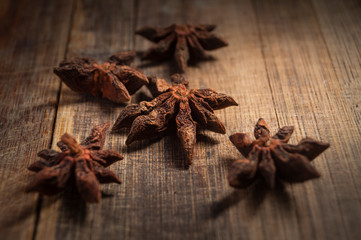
(177, 106)
(113, 79)
(80, 164)
(269, 157)
(183, 42)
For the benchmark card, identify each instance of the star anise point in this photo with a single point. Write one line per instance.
(272, 157)
(188, 110)
(183, 42)
(112, 79)
(84, 162)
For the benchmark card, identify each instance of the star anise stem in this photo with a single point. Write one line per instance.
(70, 142)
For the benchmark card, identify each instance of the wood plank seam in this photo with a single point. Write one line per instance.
(40, 198)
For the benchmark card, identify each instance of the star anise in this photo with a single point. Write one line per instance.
(113, 79)
(80, 164)
(269, 157)
(177, 106)
(183, 42)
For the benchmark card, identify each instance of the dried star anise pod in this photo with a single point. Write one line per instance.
(183, 42)
(269, 157)
(113, 79)
(80, 164)
(177, 106)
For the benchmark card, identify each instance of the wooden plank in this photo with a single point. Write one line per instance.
(99, 29)
(340, 25)
(309, 94)
(203, 187)
(31, 42)
(158, 197)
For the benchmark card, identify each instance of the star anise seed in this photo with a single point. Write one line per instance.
(183, 42)
(269, 157)
(113, 79)
(177, 106)
(80, 164)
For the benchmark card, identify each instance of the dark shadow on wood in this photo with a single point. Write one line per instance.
(197, 62)
(172, 66)
(227, 162)
(206, 140)
(100, 55)
(73, 207)
(142, 96)
(173, 149)
(283, 197)
(28, 209)
(257, 193)
(107, 195)
(142, 144)
(253, 196)
(14, 195)
(176, 154)
(148, 64)
(88, 98)
(218, 207)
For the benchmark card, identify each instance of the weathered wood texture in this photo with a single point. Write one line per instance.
(31, 43)
(290, 62)
(98, 30)
(307, 93)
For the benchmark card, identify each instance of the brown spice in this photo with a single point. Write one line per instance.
(112, 80)
(269, 157)
(177, 106)
(81, 164)
(183, 42)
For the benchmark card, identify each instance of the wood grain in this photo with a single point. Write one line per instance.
(290, 62)
(31, 42)
(199, 206)
(339, 21)
(308, 94)
(99, 29)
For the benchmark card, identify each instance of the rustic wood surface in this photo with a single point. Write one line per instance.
(290, 62)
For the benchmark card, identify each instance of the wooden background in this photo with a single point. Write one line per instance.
(290, 62)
